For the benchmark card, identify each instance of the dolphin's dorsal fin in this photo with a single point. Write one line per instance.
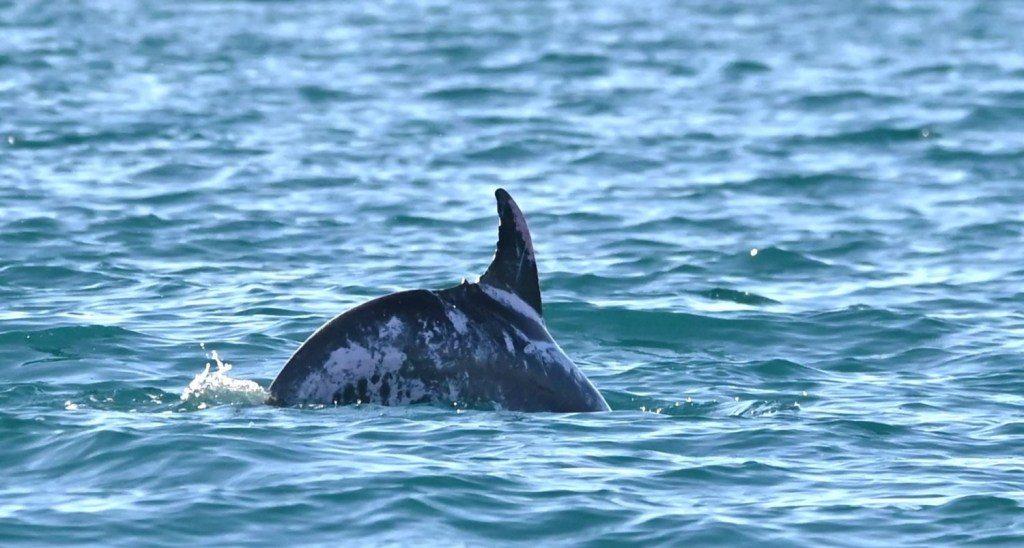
(514, 267)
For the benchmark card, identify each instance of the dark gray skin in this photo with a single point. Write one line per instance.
(475, 344)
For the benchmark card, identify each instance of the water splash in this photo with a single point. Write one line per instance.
(217, 388)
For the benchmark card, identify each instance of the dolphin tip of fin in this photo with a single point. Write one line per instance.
(503, 198)
(514, 266)
(509, 212)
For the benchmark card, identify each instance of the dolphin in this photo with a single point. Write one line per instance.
(475, 344)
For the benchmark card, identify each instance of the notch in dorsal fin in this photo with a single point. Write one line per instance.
(514, 267)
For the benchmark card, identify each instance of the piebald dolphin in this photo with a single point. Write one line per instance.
(474, 344)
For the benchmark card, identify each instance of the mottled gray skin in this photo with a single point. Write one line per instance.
(475, 344)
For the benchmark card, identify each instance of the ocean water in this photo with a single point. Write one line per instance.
(784, 240)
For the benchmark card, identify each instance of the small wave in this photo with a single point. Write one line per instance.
(474, 95)
(872, 136)
(617, 161)
(740, 297)
(217, 388)
(73, 340)
(317, 94)
(977, 506)
(509, 152)
(691, 408)
(778, 260)
(760, 408)
(745, 67)
(990, 117)
(687, 407)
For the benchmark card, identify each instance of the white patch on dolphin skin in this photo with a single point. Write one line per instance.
(348, 365)
(437, 341)
(508, 343)
(392, 329)
(458, 319)
(547, 353)
(513, 301)
(315, 387)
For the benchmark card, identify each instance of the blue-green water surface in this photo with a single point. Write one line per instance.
(783, 238)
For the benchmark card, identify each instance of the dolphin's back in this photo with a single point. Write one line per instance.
(354, 357)
(475, 343)
(456, 345)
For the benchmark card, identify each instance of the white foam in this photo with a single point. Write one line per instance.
(217, 387)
